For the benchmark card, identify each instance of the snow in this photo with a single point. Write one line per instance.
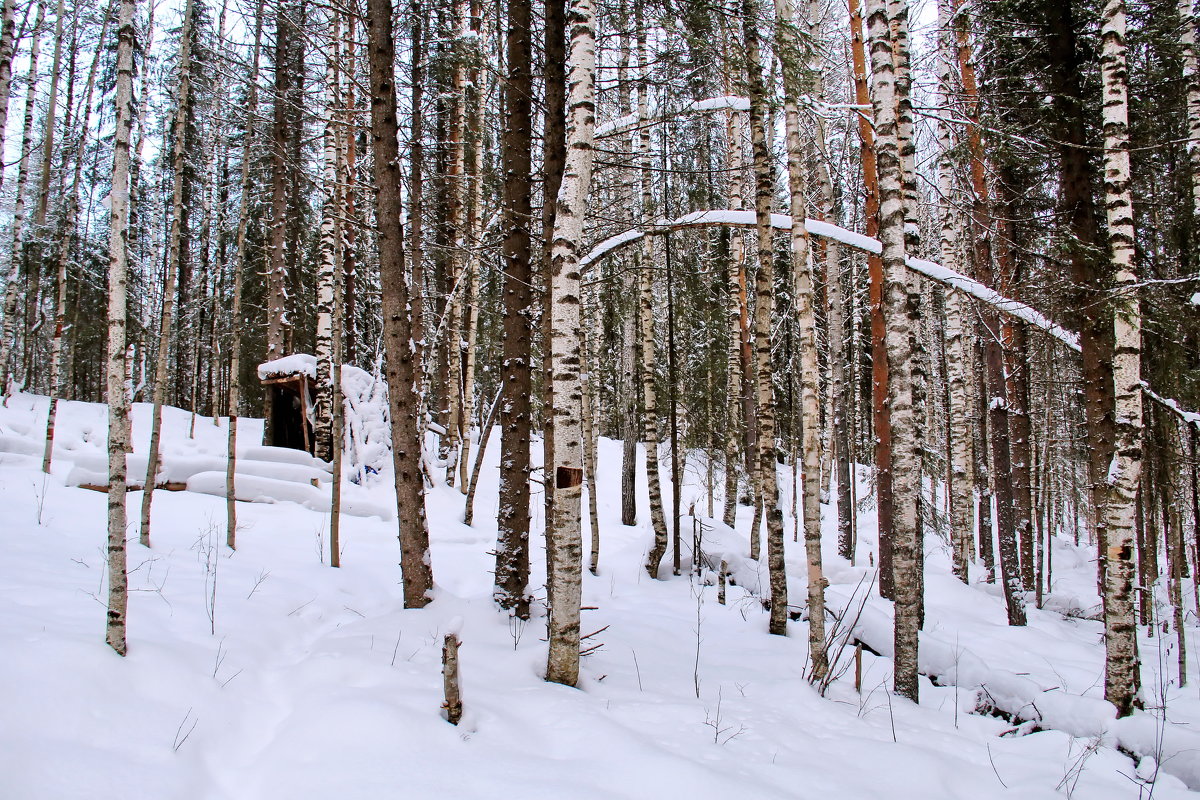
(723, 103)
(289, 365)
(304, 681)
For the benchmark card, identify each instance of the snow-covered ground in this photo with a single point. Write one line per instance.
(265, 673)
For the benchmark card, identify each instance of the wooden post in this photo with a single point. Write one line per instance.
(453, 704)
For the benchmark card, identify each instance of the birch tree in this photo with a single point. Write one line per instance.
(905, 462)
(1121, 668)
(764, 306)
(789, 53)
(118, 279)
(565, 543)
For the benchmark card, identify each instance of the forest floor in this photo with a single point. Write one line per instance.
(264, 673)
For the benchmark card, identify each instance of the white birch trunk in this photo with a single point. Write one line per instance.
(566, 549)
(958, 358)
(13, 283)
(324, 443)
(1122, 670)
(646, 310)
(1191, 74)
(118, 279)
(788, 52)
(764, 290)
(905, 465)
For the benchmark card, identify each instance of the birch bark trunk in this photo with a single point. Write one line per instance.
(951, 36)
(764, 306)
(648, 266)
(734, 373)
(565, 543)
(323, 441)
(1122, 682)
(789, 55)
(899, 303)
(474, 234)
(1191, 74)
(11, 288)
(118, 280)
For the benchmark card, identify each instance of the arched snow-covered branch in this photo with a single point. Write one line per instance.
(866, 244)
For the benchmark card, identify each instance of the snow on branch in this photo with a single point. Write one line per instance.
(930, 269)
(622, 124)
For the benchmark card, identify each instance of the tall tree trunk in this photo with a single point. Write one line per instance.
(880, 412)
(456, 203)
(70, 222)
(474, 236)
(565, 541)
(1122, 681)
(952, 36)
(764, 291)
(648, 266)
(276, 285)
(13, 284)
(554, 155)
(901, 304)
(118, 279)
(183, 101)
(788, 52)
(629, 318)
(1191, 75)
(736, 281)
(239, 270)
(397, 327)
(512, 547)
(327, 277)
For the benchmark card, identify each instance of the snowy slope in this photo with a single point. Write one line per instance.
(264, 673)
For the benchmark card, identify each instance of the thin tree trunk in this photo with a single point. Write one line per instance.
(788, 52)
(629, 317)
(764, 290)
(18, 225)
(880, 412)
(327, 367)
(648, 266)
(397, 327)
(474, 237)
(734, 373)
(240, 264)
(1191, 75)
(456, 202)
(70, 221)
(118, 280)
(952, 36)
(565, 542)
(183, 101)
